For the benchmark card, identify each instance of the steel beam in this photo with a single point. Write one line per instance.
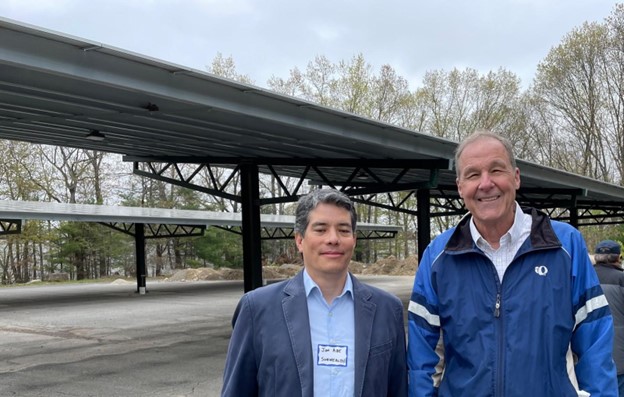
(252, 250)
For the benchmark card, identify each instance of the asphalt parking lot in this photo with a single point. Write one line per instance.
(107, 340)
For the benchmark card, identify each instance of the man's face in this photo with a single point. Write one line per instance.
(328, 243)
(487, 183)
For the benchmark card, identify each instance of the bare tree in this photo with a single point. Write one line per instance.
(573, 86)
(458, 102)
(226, 68)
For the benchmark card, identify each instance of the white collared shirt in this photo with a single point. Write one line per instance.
(510, 242)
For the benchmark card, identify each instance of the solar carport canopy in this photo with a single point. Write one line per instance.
(55, 89)
(118, 215)
(145, 223)
(61, 90)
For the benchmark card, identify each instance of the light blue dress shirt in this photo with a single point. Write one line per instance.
(332, 329)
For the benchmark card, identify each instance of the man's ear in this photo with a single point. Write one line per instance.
(298, 241)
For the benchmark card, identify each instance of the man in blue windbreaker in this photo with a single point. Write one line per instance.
(506, 303)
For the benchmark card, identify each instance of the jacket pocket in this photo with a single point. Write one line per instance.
(385, 347)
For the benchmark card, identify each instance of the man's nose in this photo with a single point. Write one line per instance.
(486, 181)
(333, 236)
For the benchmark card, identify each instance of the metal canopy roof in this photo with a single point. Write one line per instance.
(108, 213)
(19, 210)
(55, 89)
(147, 223)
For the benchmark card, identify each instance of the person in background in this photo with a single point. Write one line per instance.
(607, 256)
(506, 303)
(322, 333)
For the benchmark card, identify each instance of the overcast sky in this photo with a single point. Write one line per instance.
(270, 37)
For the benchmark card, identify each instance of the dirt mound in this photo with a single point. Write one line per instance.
(286, 270)
(203, 273)
(390, 266)
(121, 281)
(393, 266)
(231, 274)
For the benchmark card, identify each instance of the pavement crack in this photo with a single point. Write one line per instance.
(65, 333)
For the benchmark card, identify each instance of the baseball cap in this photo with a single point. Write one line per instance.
(608, 247)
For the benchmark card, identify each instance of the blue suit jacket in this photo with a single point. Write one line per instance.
(270, 352)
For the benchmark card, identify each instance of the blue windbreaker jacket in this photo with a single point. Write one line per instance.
(471, 335)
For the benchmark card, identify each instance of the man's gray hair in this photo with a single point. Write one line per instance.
(479, 134)
(311, 200)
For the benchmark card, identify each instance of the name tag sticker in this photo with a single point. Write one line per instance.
(332, 355)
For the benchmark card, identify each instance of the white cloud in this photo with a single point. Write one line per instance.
(327, 33)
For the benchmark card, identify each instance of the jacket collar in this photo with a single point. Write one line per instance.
(295, 309)
(542, 233)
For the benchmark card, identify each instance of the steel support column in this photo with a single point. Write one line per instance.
(574, 217)
(139, 245)
(423, 217)
(252, 250)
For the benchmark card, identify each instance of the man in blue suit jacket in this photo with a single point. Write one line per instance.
(322, 333)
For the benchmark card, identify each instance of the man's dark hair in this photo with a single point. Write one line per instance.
(606, 258)
(311, 200)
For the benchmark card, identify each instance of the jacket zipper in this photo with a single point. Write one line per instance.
(500, 351)
(497, 305)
